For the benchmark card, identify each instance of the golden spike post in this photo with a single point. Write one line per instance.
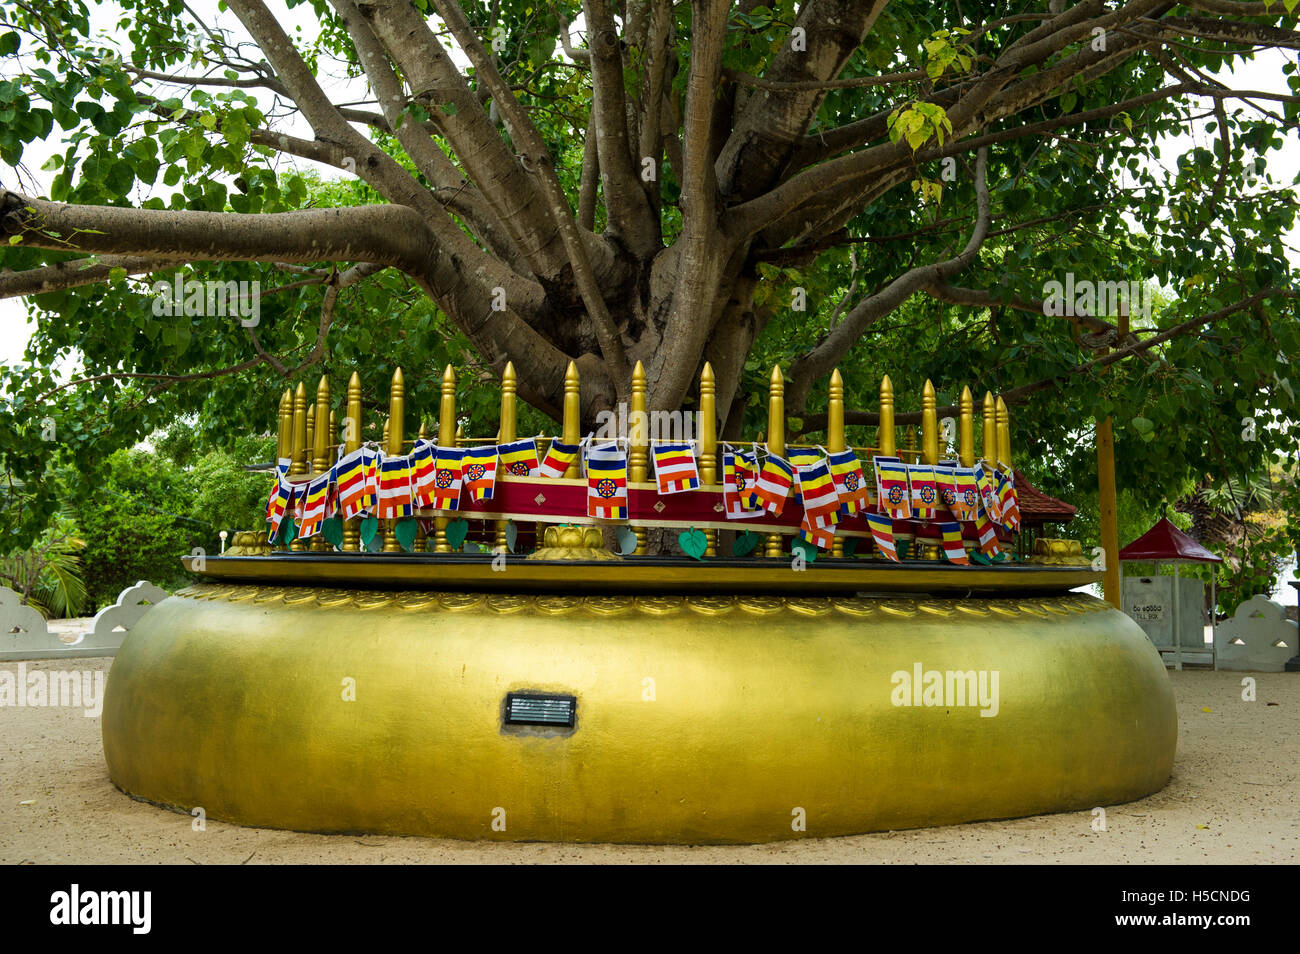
(966, 429)
(284, 427)
(990, 430)
(421, 538)
(885, 435)
(572, 409)
(393, 443)
(1004, 432)
(311, 437)
(298, 465)
(321, 437)
(637, 458)
(909, 441)
(460, 435)
(775, 439)
(835, 434)
(929, 425)
(708, 444)
(351, 442)
(446, 438)
(507, 432)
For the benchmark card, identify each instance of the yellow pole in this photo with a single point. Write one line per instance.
(298, 467)
(393, 442)
(572, 410)
(990, 430)
(311, 438)
(637, 458)
(446, 438)
(284, 427)
(929, 425)
(966, 429)
(320, 461)
(835, 434)
(910, 438)
(507, 431)
(351, 442)
(885, 435)
(709, 444)
(775, 439)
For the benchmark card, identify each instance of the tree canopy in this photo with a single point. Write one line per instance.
(885, 187)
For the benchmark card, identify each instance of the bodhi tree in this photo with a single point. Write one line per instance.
(899, 186)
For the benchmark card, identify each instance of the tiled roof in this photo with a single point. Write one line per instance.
(1038, 507)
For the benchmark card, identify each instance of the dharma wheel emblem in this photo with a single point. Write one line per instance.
(474, 471)
(895, 495)
(606, 487)
(519, 469)
(851, 481)
(443, 478)
(927, 494)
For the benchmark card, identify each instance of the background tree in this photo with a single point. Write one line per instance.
(669, 191)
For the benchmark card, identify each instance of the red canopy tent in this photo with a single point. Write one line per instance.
(1165, 543)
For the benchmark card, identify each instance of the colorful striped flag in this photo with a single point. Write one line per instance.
(1008, 500)
(281, 468)
(370, 461)
(447, 477)
(821, 537)
(519, 458)
(988, 496)
(607, 482)
(280, 502)
(480, 470)
(798, 457)
(558, 458)
(882, 532)
(394, 487)
(945, 480)
(821, 503)
(925, 495)
(350, 475)
(968, 499)
(952, 545)
(675, 468)
(988, 536)
(891, 487)
(422, 473)
(313, 511)
(773, 485)
(737, 487)
(851, 486)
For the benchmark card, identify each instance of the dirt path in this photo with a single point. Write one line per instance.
(1234, 798)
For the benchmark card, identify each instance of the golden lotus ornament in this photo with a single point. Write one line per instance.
(580, 695)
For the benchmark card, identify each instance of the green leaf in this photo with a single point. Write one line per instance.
(808, 550)
(693, 543)
(626, 541)
(332, 530)
(405, 531)
(456, 531)
(9, 43)
(745, 543)
(369, 528)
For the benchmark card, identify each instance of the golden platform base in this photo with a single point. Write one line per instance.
(700, 719)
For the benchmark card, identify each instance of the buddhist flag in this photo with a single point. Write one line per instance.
(967, 505)
(737, 487)
(606, 482)
(988, 496)
(558, 458)
(447, 477)
(773, 485)
(851, 486)
(988, 535)
(519, 458)
(394, 487)
(675, 468)
(925, 495)
(422, 471)
(313, 511)
(280, 501)
(1008, 500)
(480, 470)
(945, 481)
(370, 462)
(821, 504)
(821, 537)
(281, 468)
(747, 479)
(952, 545)
(350, 474)
(882, 532)
(798, 457)
(891, 486)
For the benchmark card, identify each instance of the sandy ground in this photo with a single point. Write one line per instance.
(1234, 798)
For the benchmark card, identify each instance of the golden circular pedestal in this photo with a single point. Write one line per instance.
(698, 720)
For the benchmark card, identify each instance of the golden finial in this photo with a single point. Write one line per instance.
(352, 441)
(393, 441)
(446, 438)
(835, 440)
(321, 433)
(929, 425)
(299, 444)
(708, 444)
(571, 431)
(506, 432)
(885, 435)
(284, 427)
(637, 459)
(966, 429)
(990, 429)
(775, 439)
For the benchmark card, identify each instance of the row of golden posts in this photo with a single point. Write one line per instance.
(311, 449)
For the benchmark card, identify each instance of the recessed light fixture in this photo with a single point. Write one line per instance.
(535, 708)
